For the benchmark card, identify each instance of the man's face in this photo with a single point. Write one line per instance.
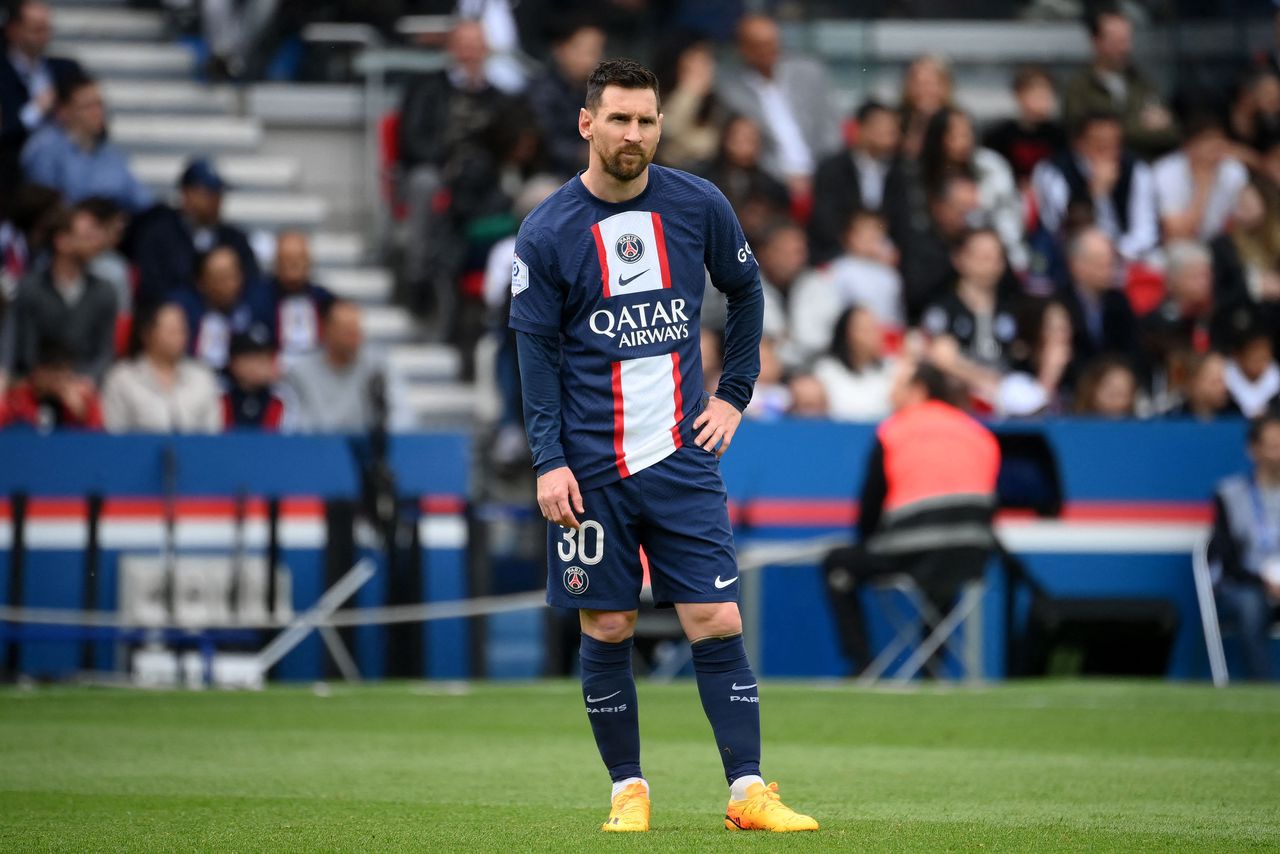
(203, 205)
(759, 44)
(1037, 102)
(467, 46)
(1093, 263)
(880, 134)
(1113, 45)
(221, 281)
(579, 54)
(623, 131)
(1209, 385)
(952, 212)
(1255, 357)
(342, 334)
(31, 32)
(1266, 451)
(981, 260)
(85, 115)
(1192, 285)
(293, 261)
(784, 256)
(1101, 141)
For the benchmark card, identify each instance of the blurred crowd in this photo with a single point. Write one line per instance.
(1110, 249)
(124, 312)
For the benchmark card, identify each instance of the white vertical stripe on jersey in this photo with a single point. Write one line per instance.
(645, 272)
(648, 410)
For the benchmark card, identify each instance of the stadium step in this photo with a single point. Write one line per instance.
(242, 172)
(309, 104)
(116, 59)
(337, 249)
(442, 403)
(360, 284)
(389, 324)
(274, 210)
(186, 134)
(419, 363)
(96, 23)
(160, 96)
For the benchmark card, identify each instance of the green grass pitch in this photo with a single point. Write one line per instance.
(1073, 766)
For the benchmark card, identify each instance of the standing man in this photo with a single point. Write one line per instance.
(606, 287)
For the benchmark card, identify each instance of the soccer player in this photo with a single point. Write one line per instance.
(606, 286)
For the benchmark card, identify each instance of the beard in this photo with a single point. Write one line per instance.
(625, 170)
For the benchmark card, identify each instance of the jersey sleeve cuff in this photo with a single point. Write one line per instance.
(732, 397)
(550, 465)
(533, 327)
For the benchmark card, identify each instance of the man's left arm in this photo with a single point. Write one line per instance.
(734, 271)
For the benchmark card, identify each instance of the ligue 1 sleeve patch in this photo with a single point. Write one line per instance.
(519, 276)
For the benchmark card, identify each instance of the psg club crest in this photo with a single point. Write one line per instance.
(575, 580)
(630, 248)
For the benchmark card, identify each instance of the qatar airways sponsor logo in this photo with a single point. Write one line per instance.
(643, 323)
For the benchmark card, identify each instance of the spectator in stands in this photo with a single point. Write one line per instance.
(1108, 388)
(1246, 259)
(783, 255)
(169, 243)
(1036, 133)
(250, 401)
(1197, 185)
(926, 88)
(1204, 388)
(52, 396)
(61, 301)
(447, 118)
(925, 244)
(577, 46)
(972, 327)
(692, 113)
(1245, 548)
(1253, 119)
(1043, 364)
(855, 373)
(1102, 319)
(756, 196)
(864, 275)
(1252, 376)
(852, 180)
(1099, 173)
(788, 98)
(1182, 321)
(342, 387)
(24, 236)
(771, 398)
(297, 302)
(925, 509)
(220, 307)
(161, 390)
(108, 263)
(72, 154)
(950, 148)
(28, 80)
(1113, 84)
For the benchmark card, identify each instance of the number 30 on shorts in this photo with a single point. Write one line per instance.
(586, 544)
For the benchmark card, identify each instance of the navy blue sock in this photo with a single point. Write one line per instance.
(731, 701)
(610, 692)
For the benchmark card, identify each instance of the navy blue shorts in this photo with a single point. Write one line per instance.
(677, 510)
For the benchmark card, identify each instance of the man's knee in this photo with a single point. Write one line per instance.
(608, 626)
(709, 619)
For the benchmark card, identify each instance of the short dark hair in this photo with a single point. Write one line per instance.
(1093, 117)
(869, 108)
(1097, 11)
(1262, 422)
(69, 86)
(16, 10)
(626, 73)
(1201, 120)
(100, 208)
(1028, 75)
(936, 384)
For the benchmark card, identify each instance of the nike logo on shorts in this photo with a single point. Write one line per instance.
(738, 687)
(598, 699)
(623, 282)
(720, 585)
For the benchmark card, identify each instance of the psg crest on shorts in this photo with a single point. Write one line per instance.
(630, 248)
(575, 580)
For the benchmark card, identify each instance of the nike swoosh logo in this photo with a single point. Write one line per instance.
(623, 282)
(598, 699)
(738, 687)
(720, 585)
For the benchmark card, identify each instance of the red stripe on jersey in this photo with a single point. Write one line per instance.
(675, 378)
(604, 266)
(662, 251)
(620, 457)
